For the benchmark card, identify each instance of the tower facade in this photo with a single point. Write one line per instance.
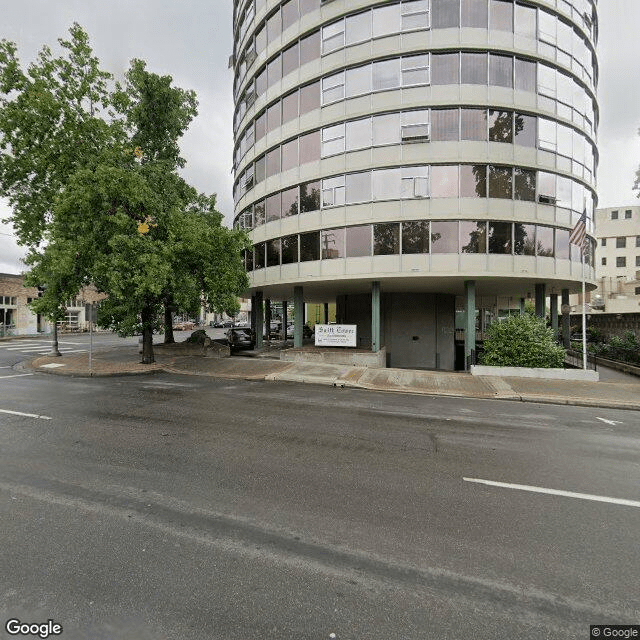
(422, 160)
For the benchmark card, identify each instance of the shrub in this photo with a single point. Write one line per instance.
(521, 341)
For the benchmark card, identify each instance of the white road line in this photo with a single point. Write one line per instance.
(28, 415)
(32, 348)
(5, 367)
(556, 492)
(19, 375)
(44, 353)
(611, 422)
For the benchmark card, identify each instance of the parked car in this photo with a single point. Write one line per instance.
(216, 324)
(240, 338)
(184, 326)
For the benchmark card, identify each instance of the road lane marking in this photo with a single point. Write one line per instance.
(556, 492)
(28, 415)
(19, 375)
(611, 422)
(5, 367)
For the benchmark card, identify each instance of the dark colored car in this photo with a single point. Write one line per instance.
(240, 338)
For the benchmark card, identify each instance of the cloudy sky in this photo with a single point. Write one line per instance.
(191, 40)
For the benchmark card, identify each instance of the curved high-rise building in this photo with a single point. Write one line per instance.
(419, 163)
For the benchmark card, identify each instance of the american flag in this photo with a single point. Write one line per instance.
(579, 234)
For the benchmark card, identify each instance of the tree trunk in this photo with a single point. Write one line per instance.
(168, 323)
(147, 335)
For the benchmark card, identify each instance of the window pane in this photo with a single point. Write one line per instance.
(274, 71)
(358, 81)
(473, 181)
(290, 107)
(444, 237)
(386, 74)
(445, 68)
(500, 237)
(273, 252)
(500, 126)
(415, 15)
(290, 155)
(332, 243)
(290, 59)
(524, 184)
(525, 21)
(289, 249)
(474, 13)
(386, 184)
(445, 13)
(260, 169)
(444, 181)
(274, 27)
(415, 237)
(358, 187)
(358, 241)
(525, 75)
(289, 14)
(473, 236)
(444, 124)
(310, 48)
(309, 97)
(274, 116)
(386, 239)
(473, 124)
(386, 129)
(309, 197)
(562, 244)
(415, 70)
(333, 88)
(500, 182)
(274, 207)
(333, 140)
(524, 239)
(259, 261)
(525, 127)
(544, 241)
(258, 213)
(500, 71)
(273, 162)
(475, 68)
(261, 40)
(386, 20)
(309, 246)
(261, 125)
(307, 6)
(415, 182)
(358, 134)
(290, 202)
(501, 15)
(546, 187)
(261, 82)
(248, 260)
(310, 147)
(358, 28)
(333, 36)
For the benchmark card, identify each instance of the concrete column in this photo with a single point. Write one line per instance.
(553, 310)
(566, 320)
(267, 319)
(326, 313)
(522, 301)
(540, 299)
(259, 320)
(375, 316)
(284, 319)
(470, 324)
(254, 314)
(298, 321)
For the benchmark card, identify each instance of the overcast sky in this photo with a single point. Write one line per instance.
(191, 40)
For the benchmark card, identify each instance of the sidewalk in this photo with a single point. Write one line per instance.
(126, 361)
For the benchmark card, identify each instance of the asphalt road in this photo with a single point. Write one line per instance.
(190, 508)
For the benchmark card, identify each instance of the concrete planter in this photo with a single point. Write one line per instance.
(545, 374)
(351, 357)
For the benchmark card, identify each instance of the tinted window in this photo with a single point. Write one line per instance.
(309, 246)
(289, 249)
(524, 239)
(445, 13)
(500, 182)
(273, 252)
(500, 237)
(473, 236)
(309, 97)
(415, 237)
(309, 197)
(444, 237)
(332, 243)
(386, 239)
(358, 241)
(290, 202)
(500, 126)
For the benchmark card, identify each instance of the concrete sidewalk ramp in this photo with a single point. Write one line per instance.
(315, 373)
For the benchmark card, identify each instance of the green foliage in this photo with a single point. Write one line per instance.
(92, 174)
(625, 349)
(521, 341)
(51, 124)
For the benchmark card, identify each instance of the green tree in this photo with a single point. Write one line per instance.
(521, 341)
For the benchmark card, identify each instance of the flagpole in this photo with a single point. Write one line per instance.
(584, 316)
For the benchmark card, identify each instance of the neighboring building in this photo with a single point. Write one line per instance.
(16, 317)
(617, 261)
(419, 164)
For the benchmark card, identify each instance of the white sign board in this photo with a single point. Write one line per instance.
(335, 335)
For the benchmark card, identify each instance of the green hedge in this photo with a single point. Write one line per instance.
(521, 341)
